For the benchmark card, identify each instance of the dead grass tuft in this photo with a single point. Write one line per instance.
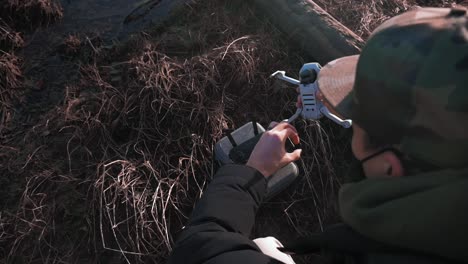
(72, 45)
(45, 198)
(9, 39)
(168, 118)
(31, 13)
(10, 86)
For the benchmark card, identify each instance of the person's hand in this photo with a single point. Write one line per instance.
(269, 155)
(299, 98)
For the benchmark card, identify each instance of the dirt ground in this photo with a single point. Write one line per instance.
(110, 169)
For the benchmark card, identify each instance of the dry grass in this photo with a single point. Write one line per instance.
(15, 15)
(10, 87)
(112, 173)
(170, 116)
(72, 45)
(133, 141)
(363, 17)
(9, 39)
(30, 13)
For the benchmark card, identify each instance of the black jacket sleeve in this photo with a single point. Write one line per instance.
(222, 220)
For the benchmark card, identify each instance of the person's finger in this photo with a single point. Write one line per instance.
(296, 140)
(299, 101)
(285, 125)
(272, 125)
(286, 133)
(319, 96)
(293, 156)
(280, 126)
(292, 134)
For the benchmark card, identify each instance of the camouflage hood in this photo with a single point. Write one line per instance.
(427, 212)
(409, 87)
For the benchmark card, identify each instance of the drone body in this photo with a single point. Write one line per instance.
(308, 87)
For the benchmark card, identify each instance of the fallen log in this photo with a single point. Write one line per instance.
(319, 34)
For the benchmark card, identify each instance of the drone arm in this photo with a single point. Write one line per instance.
(295, 116)
(282, 76)
(344, 123)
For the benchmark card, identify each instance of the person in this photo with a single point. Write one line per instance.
(407, 94)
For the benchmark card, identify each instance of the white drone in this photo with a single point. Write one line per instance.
(311, 108)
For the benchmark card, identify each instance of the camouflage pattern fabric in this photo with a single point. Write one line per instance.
(425, 212)
(411, 86)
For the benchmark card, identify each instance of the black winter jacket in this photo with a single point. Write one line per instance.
(219, 228)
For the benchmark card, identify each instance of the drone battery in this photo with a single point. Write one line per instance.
(236, 148)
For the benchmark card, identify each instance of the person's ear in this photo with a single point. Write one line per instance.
(386, 164)
(393, 165)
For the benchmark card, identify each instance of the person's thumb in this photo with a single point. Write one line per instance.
(293, 156)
